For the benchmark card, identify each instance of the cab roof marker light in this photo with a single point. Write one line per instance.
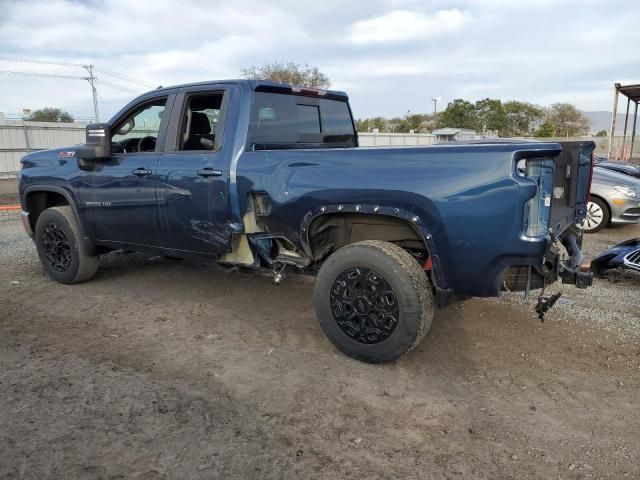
(309, 91)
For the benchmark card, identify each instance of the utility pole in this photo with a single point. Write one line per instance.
(91, 78)
(435, 105)
(92, 81)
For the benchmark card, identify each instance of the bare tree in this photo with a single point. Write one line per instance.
(291, 73)
(568, 120)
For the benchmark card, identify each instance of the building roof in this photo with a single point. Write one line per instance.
(452, 131)
(630, 91)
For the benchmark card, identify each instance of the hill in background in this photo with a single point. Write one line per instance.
(602, 121)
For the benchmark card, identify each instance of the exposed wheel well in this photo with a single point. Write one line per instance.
(37, 202)
(331, 231)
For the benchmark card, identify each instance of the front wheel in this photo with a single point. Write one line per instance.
(598, 216)
(60, 247)
(373, 301)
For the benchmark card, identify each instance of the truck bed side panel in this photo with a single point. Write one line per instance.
(467, 199)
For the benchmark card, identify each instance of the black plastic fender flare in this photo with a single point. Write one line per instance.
(70, 200)
(414, 220)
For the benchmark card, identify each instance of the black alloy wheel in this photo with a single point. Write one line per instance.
(373, 300)
(57, 248)
(61, 247)
(364, 305)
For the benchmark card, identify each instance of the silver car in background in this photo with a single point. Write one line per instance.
(615, 198)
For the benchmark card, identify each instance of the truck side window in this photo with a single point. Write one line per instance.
(280, 121)
(200, 122)
(139, 131)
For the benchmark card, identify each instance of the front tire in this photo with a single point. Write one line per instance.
(373, 301)
(60, 247)
(598, 216)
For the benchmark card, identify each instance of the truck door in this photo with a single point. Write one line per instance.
(194, 174)
(118, 196)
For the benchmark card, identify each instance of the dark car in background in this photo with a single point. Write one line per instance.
(617, 166)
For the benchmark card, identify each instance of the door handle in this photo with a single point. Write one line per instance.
(141, 172)
(209, 172)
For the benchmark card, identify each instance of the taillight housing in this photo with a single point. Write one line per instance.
(537, 210)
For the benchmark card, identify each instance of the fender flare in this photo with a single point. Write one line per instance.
(413, 219)
(70, 200)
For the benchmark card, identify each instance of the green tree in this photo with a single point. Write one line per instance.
(395, 125)
(49, 114)
(362, 125)
(418, 122)
(547, 129)
(459, 113)
(602, 133)
(291, 73)
(379, 123)
(567, 120)
(522, 118)
(490, 116)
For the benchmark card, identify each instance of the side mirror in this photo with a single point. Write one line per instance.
(98, 144)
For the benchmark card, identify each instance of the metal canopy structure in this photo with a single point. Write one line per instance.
(632, 92)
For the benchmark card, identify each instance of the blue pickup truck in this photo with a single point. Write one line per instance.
(264, 175)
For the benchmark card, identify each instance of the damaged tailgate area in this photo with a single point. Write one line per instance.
(556, 211)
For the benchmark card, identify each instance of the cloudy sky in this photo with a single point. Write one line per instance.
(390, 55)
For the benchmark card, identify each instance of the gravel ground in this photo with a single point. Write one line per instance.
(166, 369)
(9, 192)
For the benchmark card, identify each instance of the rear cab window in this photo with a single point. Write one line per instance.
(288, 121)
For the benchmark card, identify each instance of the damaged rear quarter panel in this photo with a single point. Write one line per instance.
(467, 199)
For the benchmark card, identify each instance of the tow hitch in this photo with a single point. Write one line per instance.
(571, 270)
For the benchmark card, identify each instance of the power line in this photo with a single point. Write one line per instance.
(124, 77)
(33, 74)
(101, 81)
(45, 62)
(92, 79)
(68, 64)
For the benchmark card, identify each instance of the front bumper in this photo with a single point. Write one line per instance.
(623, 255)
(626, 210)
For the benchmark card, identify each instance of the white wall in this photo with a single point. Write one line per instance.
(18, 137)
(395, 139)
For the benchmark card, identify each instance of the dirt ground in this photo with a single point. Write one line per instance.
(160, 368)
(9, 192)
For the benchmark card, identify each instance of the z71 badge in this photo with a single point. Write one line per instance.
(66, 154)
